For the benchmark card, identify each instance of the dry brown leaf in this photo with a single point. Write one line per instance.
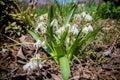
(56, 77)
(20, 54)
(22, 39)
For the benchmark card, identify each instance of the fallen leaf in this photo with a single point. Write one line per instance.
(20, 54)
(22, 39)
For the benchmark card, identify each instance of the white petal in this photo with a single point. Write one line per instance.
(54, 23)
(68, 40)
(60, 30)
(68, 25)
(41, 18)
(43, 30)
(88, 17)
(90, 28)
(41, 24)
(38, 44)
(26, 66)
(77, 16)
(74, 29)
(85, 30)
(83, 14)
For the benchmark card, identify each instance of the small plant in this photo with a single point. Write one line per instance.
(62, 37)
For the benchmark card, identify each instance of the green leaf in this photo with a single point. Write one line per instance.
(50, 15)
(28, 20)
(50, 28)
(69, 15)
(75, 45)
(59, 7)
(47, 48)
(65, 67)
(34, 35)
(90, 37)
(63, 36)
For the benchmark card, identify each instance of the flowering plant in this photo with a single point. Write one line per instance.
(62, 38)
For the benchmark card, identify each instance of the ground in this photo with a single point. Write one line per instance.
(104, 65)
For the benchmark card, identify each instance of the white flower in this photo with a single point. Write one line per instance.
(85, 30)
(54, 23)
(77, 16)
(67, 40)
(41, 26)
(33, 64)
(74, 29)
(60, 30)
(83, 14)
(68, 25)
(43, 30)
(88, 29)
(83, 5)
(27, 67)
(88, 18)
(43, 17)
(43, 44)
(39, 44)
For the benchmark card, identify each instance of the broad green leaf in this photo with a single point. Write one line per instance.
(64, 67)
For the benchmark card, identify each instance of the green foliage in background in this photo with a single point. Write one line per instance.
(109, 10)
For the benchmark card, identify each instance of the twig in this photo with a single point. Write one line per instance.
(11, 39)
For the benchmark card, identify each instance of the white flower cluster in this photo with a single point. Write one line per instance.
(33, 64)
(84, 16)
(73, 28)
(41, 26)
